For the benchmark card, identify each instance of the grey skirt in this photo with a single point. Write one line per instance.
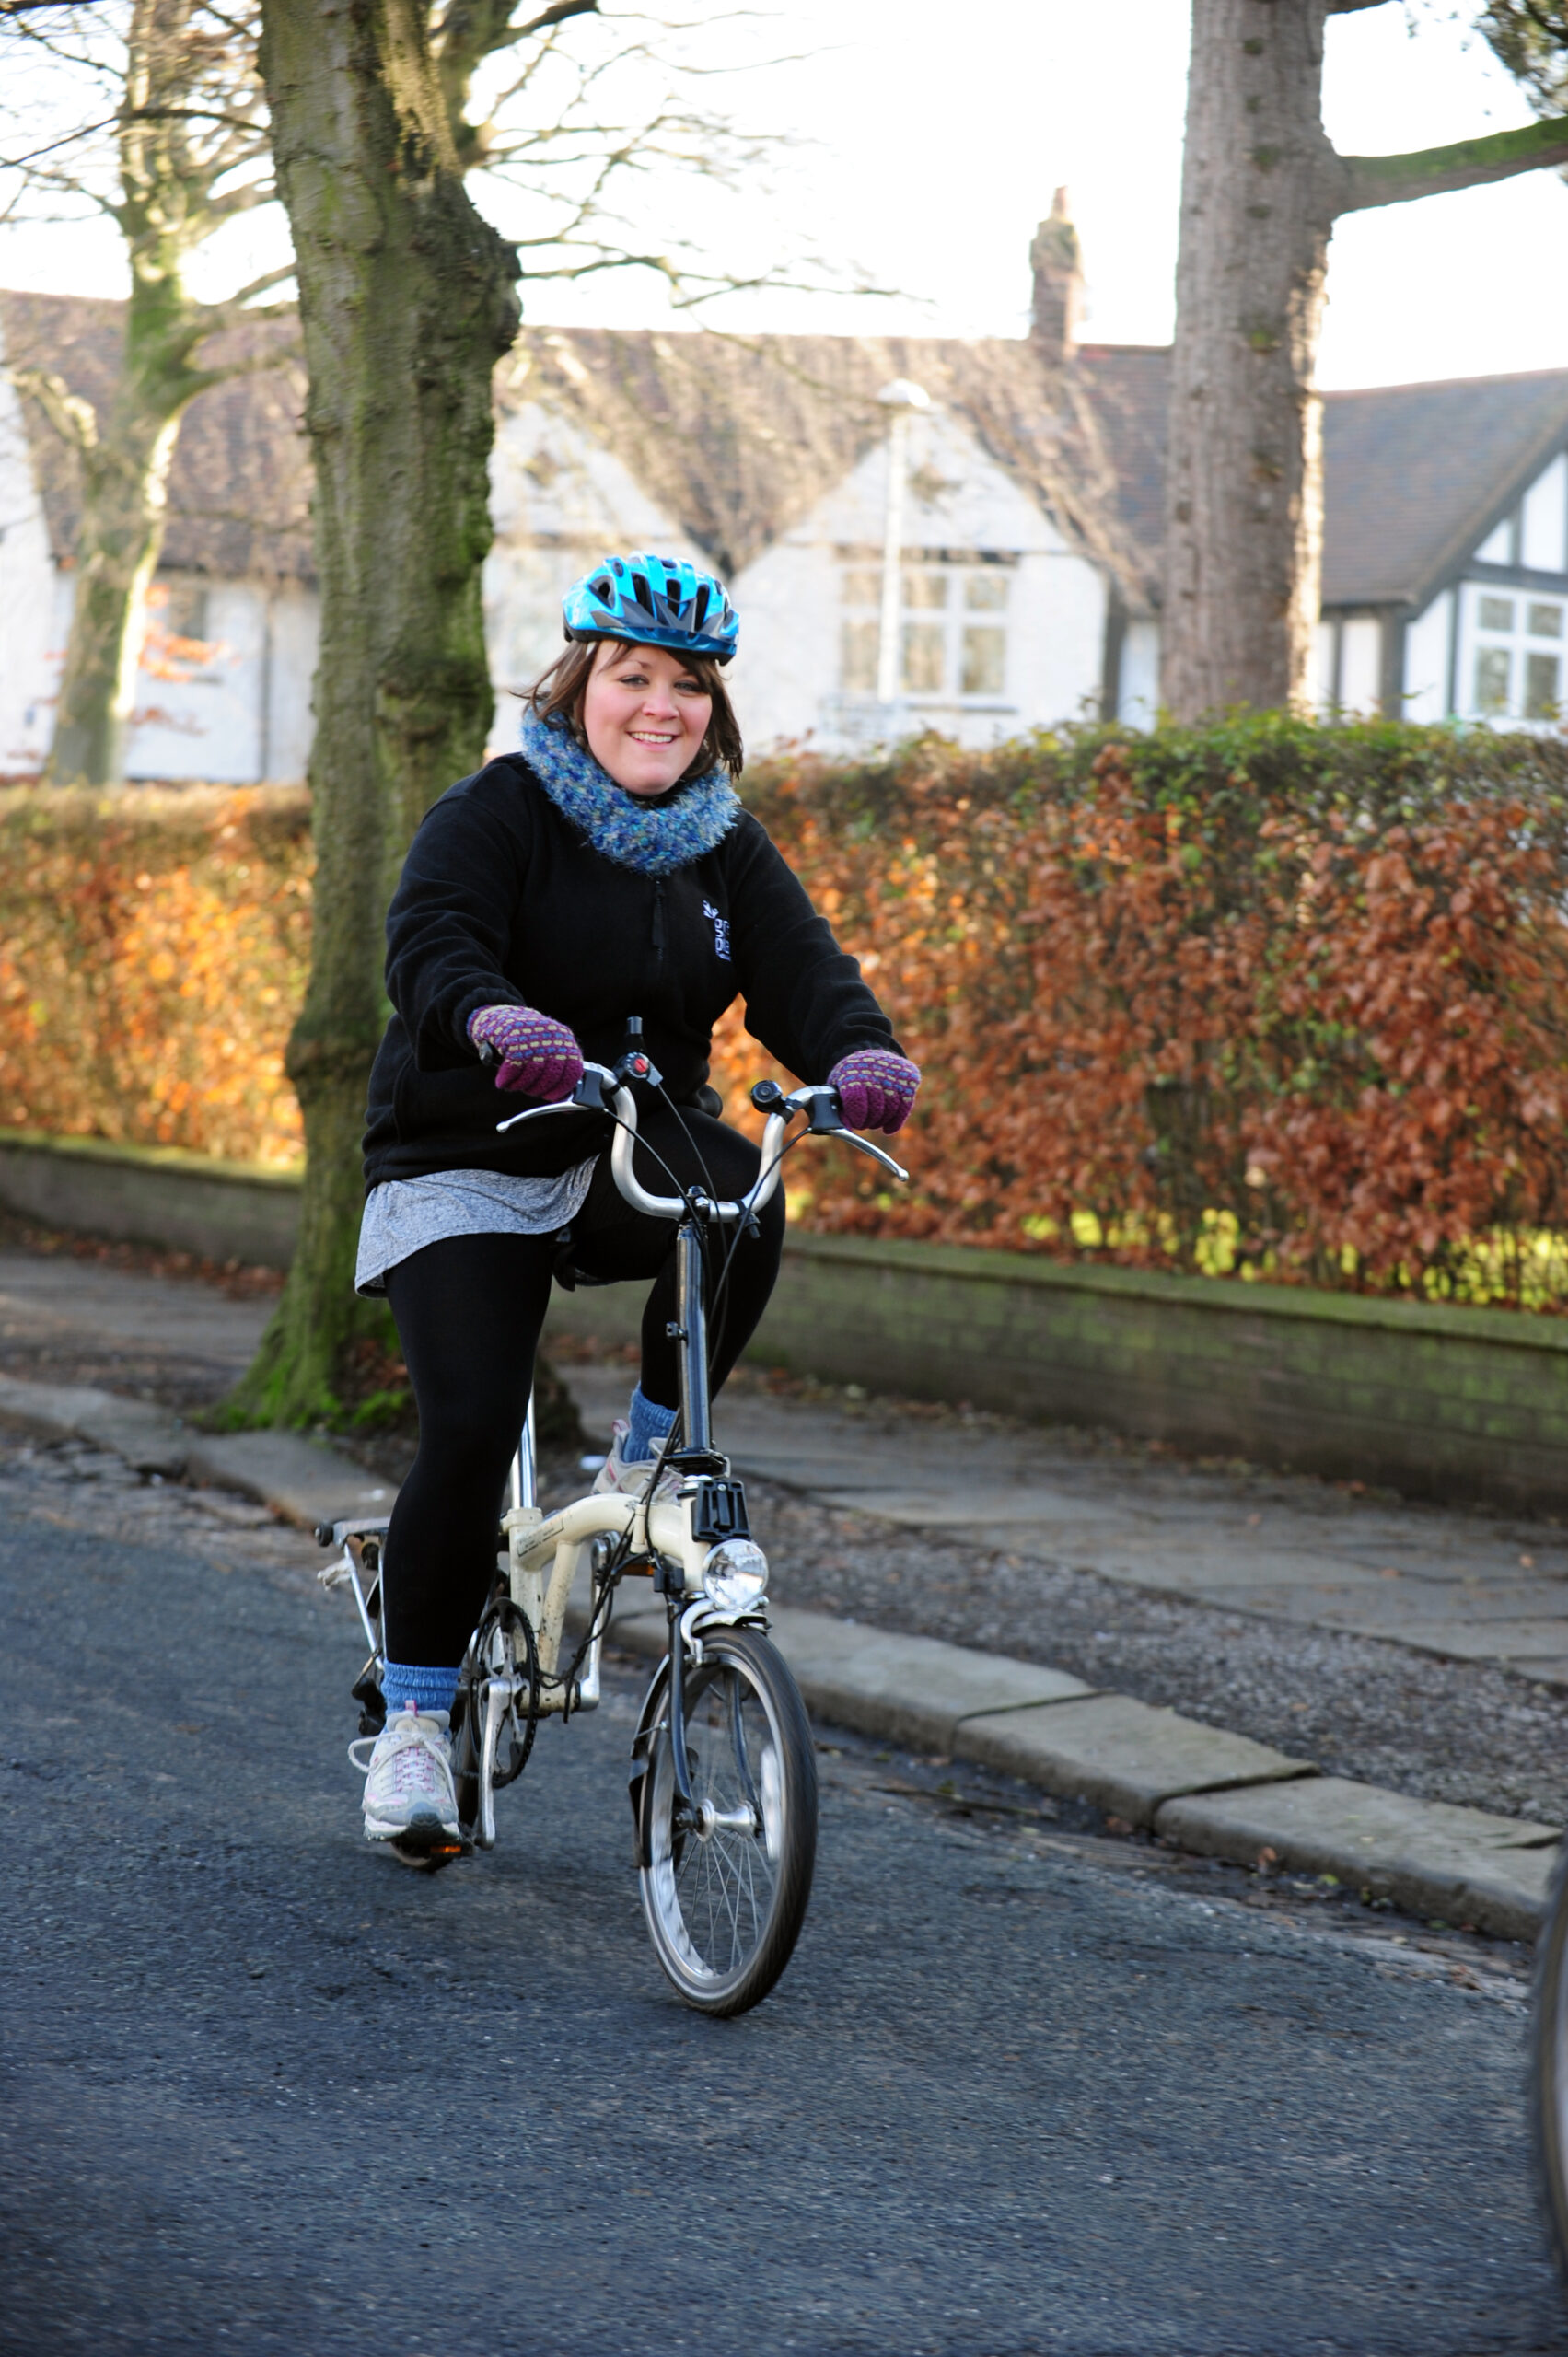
(402, 1215)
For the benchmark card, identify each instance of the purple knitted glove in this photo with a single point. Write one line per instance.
(876, 1088)
(539, 1056)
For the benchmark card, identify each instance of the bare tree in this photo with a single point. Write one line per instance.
(1261, 188)
(577, 109)
(175, 148)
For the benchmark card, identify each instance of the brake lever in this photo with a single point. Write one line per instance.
(588, 1097)
(825, 1118)
(864, 1146)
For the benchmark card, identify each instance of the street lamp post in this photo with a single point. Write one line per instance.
(898, 399)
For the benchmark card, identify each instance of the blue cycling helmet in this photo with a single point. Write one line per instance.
(653, 602)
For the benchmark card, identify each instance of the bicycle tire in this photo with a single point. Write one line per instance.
(724, 1908)
(1548, 2070)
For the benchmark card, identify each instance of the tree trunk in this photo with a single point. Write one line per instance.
(407, 300)
(125, 473)
(165, 205)
(1245, 492)
(1260, 190)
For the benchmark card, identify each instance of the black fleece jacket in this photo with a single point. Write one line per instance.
(503, 901)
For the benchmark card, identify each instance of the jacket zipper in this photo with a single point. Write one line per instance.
(658, 921)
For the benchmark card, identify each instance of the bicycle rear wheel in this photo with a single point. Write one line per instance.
(726, 1892)
(1548, 2069)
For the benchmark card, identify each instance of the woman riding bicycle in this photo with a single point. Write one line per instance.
(606, 870)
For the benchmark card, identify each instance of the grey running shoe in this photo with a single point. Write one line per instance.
(410, 1798)
(630, 1479)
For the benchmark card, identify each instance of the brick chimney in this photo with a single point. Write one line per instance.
(1057, 315)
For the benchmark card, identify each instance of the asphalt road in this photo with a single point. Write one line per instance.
(264, 2090)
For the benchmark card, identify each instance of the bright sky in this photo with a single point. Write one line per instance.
(927, 153)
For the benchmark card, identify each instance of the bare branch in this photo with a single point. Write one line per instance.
(79, 133)
(74, 419)
(239, 303)
(254, 363)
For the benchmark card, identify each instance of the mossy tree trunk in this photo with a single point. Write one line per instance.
(1261, 188)
(407, 300)
(125, 462)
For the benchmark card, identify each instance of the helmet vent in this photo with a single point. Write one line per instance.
(653, 602)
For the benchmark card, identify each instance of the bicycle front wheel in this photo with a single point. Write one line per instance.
(1548, 2069)
(726, 1885)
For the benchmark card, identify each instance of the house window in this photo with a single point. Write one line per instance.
(925, 649)
(1492, 666)
(943, 649)
(178, 609)
(1515, 669)
(985, 661)
(1543, 686)
(861, 644)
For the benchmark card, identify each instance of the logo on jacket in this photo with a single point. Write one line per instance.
(721, 930)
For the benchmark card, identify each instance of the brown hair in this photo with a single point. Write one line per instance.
(562, 688)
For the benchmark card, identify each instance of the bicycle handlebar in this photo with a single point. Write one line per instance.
(600, 1091)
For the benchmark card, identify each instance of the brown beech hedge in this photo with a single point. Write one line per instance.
(153, 945)
(1261, 998)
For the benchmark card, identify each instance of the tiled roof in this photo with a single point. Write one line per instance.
(240, 492)
(738, 438)
(1126, 387)
(1414, 475)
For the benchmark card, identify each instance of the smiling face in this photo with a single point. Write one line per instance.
(645, 715)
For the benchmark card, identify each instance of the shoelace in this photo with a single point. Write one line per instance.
(415, 1770)
(405, 1743)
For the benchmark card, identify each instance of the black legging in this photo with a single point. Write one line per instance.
(468, 1312)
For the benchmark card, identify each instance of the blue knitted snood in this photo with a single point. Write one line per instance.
(654, 841)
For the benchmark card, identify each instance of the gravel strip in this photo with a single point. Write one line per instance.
(1452, 1731)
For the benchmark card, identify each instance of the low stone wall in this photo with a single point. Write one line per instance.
(1435, 1402)
(221, 1211)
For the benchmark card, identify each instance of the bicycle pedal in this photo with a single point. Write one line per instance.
(428, 1854)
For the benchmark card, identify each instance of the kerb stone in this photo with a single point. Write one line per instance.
(1124, 1756)
(298, 1477)
(1427, 1857)
(910, 1691)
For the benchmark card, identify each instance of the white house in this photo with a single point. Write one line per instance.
(1031, 532)
(237, 585)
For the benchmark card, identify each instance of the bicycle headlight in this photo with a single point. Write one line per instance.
(735, 1574)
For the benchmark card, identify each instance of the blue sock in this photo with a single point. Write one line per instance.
(428, 1689)
(646, 1427)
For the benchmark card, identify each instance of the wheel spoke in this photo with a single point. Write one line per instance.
(725, 1899)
